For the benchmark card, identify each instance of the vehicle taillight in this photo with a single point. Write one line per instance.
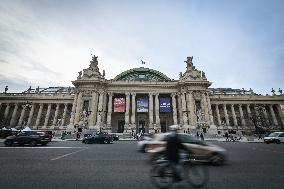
(153, 146)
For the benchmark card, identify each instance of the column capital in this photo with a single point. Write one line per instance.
(133, 94)
(127, 93)
(110, 93)
(151, 94)
(157, 94)
(173, 94)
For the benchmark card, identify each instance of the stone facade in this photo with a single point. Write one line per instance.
(90, 104)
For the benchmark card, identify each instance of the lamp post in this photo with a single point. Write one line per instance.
(26, 106)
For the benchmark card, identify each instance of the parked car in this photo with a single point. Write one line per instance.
(142, 144)
(101, 137)
(275, 137)
(28, 137)
(199, 150)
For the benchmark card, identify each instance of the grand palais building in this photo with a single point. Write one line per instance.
(142, 100)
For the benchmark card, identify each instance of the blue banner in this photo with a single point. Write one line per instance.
(142, 104)
(165, 105)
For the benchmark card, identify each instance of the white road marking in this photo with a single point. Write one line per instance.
(59, 157)
(39, 147)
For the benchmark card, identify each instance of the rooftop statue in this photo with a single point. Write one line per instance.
(189, 62)
(94, 62)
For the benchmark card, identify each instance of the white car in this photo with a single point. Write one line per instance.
(142, 144)
(200, 150)
(276, 137)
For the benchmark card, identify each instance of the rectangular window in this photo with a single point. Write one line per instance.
(86, 105)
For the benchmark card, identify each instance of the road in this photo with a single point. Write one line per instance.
(71, 164)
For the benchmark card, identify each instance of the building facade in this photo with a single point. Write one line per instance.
(142, 100)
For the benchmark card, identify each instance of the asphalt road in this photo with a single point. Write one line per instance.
(72, 164)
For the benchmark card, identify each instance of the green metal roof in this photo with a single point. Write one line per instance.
(142, 73)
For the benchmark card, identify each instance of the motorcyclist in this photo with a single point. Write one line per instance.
(173, 147)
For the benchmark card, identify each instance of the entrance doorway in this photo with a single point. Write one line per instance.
(120, 126)
(163, 126)
(141, 126)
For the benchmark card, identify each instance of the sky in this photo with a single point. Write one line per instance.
(237, 43)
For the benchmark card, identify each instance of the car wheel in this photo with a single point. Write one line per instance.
(33, 143)
(278, 142)
(106, 141)
(9, 143)
(217, 159)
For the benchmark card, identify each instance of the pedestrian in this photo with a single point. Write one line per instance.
(227, 136)
(201, 136)
(78, 136)
(197, 135)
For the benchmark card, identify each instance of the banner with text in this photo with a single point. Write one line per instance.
(142, 104)
(165, 105)
(119, 104)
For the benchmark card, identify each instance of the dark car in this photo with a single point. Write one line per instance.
(102, 138)
(28, 137)
(115, 137)
(45, 134)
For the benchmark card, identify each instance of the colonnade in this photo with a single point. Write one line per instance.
(101, 105)
(25, 116)
(237, 112)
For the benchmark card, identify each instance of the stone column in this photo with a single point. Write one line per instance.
(249, 114)
(127, 112)
(110, 95)
(180, 113)
(64, 114)
(94, 108)
(78, 108)
(209, 109)
(242, 115)
(104, 117)
(174, 108)
(13, 119)
(205, 108)
(7, 111)
(157, 110)
(31, 115)
(265, 114)
(273, 114)
(218, 114)
(47, 115)
(226, 115)
(183, 103)
(100, 108)
(151, 110)
(191, 110)
(22, 116)
(133, 121)
(55, 115)
(39, 115)
(234, 115)
(72, 118)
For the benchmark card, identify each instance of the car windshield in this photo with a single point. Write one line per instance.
(273, 134)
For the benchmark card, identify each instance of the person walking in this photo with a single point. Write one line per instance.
(227, 136)
(201, 136)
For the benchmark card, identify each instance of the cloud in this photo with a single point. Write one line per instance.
(236, 44)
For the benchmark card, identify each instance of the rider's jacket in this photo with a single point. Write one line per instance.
(172, 148)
